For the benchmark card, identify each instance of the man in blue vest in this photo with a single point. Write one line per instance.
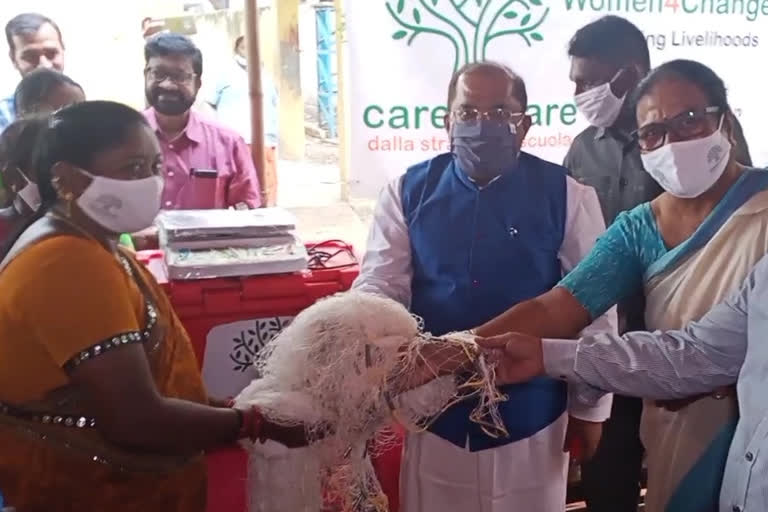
(459, 239)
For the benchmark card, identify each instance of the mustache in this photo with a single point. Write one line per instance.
(165, 92)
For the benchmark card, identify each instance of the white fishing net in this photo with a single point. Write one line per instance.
(342, 368)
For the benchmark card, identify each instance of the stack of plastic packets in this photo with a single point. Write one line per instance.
(201, 244)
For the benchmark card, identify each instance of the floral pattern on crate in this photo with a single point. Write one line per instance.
(252, 339)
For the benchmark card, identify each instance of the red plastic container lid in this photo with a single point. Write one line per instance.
(250, 293)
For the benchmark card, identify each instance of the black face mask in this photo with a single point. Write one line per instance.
(169, 102)
(484, 149)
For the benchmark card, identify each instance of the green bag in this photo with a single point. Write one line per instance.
(127, 242)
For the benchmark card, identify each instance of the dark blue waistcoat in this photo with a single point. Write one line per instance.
(476, 253)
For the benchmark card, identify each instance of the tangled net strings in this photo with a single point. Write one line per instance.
(345, 368)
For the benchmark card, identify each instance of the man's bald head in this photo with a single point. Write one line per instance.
(489, 71)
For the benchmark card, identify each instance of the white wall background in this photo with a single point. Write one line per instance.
(384, 69)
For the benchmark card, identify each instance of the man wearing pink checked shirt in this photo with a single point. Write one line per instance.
(207, 166)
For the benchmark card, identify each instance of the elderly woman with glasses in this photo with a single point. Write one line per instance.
(687, 250)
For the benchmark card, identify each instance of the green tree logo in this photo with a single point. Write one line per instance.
(470, 25)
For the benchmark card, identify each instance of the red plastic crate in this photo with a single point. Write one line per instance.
(207, 303)
(203, 305)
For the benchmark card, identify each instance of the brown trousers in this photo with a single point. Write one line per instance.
(269, 187)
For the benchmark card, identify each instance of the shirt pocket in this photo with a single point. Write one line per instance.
(207, 190)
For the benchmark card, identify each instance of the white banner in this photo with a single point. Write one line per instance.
(401, 55)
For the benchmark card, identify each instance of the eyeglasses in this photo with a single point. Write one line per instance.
(689, 125)
(177, 77)
(494, 114)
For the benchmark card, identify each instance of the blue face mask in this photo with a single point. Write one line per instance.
(484, 149)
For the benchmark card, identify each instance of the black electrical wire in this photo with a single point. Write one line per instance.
(321, 254)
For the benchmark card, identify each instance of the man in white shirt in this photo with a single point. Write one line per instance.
(458, 239)
(232, 102)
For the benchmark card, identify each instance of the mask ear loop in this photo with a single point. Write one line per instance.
(23, 175)
(722, 121)
(613, 79)
(728, 136)
(28, 194)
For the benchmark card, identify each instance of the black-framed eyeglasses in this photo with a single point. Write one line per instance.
(177, 77)
(689, 125)
(495, 114)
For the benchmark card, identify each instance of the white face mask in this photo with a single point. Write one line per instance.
(29, 195)
(689, 168)
(242, 61)
(599, 106)
(122, 206)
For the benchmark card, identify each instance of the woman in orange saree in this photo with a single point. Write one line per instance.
(101, 403)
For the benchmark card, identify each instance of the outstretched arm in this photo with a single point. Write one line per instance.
(608, 273)
(662, 365)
